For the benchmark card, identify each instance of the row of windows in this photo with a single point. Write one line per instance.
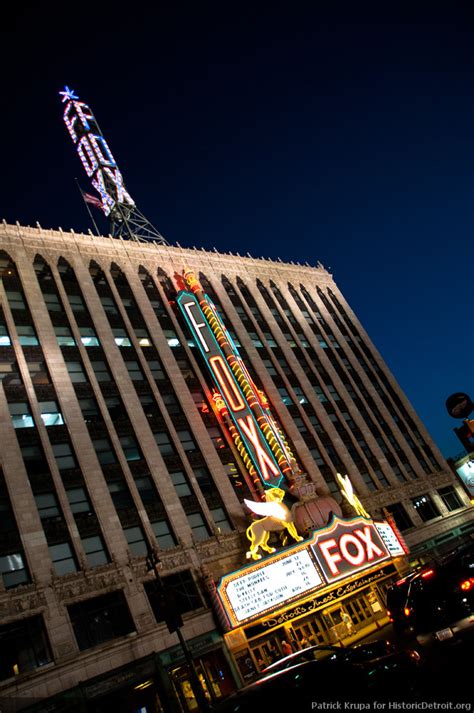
(130, 447)
(425, 506)
(25, 644)
(134, 368)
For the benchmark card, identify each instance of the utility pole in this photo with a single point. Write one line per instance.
(174, 622)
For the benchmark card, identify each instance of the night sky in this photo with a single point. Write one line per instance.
(280, 129)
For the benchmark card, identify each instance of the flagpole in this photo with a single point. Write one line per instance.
(87, 207)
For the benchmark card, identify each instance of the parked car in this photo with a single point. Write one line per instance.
(435, 605)
(342, 675)
(374, 652)
(310, 653)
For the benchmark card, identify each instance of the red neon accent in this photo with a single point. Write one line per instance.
(428, 573)
(264, 460)
(226, 382)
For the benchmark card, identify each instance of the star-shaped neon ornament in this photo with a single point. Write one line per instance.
(68, 94)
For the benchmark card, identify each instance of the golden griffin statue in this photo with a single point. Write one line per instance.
(277, 517)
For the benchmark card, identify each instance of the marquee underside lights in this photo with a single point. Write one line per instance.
(242, 407)
(335, 553)
(94, 153)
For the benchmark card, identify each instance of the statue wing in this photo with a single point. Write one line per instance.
(266, 509)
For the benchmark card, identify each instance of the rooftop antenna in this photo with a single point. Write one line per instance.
(126, 220)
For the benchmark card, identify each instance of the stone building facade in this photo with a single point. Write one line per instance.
(111, 448)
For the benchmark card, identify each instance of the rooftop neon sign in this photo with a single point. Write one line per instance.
(94, 153)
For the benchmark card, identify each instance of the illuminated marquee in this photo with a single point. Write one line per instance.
(343, 549)
(348, 547)
(390, 539)
(95, 155)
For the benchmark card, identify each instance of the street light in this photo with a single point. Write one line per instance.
(174, 621)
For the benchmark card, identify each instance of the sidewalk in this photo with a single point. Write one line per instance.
(382, 629)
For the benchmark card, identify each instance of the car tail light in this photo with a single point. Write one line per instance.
(413, 654)
(467, 584)
(428, 573)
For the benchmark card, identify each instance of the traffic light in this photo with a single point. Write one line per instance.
(466, 434)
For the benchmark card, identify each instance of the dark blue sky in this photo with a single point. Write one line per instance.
(282, 130)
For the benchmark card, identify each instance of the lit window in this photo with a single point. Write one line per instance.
(143, 337)
(50, 414)
(300, 395)
(64, 337)
(425, 507)
(21, 416)
(5, 340)
(121, 338)
(285, 396)
(171, 338)
(13, 570)
(89, 337)
(27, 335)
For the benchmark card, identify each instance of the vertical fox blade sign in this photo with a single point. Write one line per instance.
(243, 408)
(95, 155)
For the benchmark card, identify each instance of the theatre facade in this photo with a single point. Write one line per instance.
(198, 448)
